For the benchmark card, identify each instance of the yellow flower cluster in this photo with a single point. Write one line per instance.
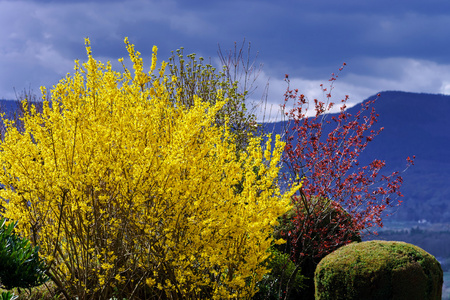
(120, 185)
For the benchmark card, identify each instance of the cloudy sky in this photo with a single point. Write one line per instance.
(387, 45)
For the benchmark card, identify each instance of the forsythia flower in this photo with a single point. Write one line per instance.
(115, 179)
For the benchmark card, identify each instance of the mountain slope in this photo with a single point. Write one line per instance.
(414, 124)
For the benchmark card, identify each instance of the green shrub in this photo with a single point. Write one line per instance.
(20, 265)
(8, 296)
(323, 220)
(379, 270)
(273, 286)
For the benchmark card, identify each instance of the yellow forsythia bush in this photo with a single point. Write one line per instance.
(129, 193)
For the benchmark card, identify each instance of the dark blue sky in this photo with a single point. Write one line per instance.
(387, 45)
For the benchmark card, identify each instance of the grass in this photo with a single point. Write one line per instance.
(47, 291)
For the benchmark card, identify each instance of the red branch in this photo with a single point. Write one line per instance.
(327, 162)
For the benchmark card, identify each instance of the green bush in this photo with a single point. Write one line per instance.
(273, 286)
(20, 265)
(379, 270)
(328, 213)
(8, 296)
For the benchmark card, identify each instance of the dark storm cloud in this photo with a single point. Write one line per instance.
(385, 43)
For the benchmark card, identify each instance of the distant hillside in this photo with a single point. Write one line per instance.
(9, 107)
(414, 124)
(417, 124)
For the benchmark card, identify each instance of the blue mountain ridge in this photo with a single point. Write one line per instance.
(9, 107)
(414, 124)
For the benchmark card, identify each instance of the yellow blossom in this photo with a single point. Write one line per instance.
(116, 176)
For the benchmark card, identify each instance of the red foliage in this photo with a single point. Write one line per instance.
(323, 151)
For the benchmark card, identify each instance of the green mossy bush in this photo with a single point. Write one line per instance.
(379, 270)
